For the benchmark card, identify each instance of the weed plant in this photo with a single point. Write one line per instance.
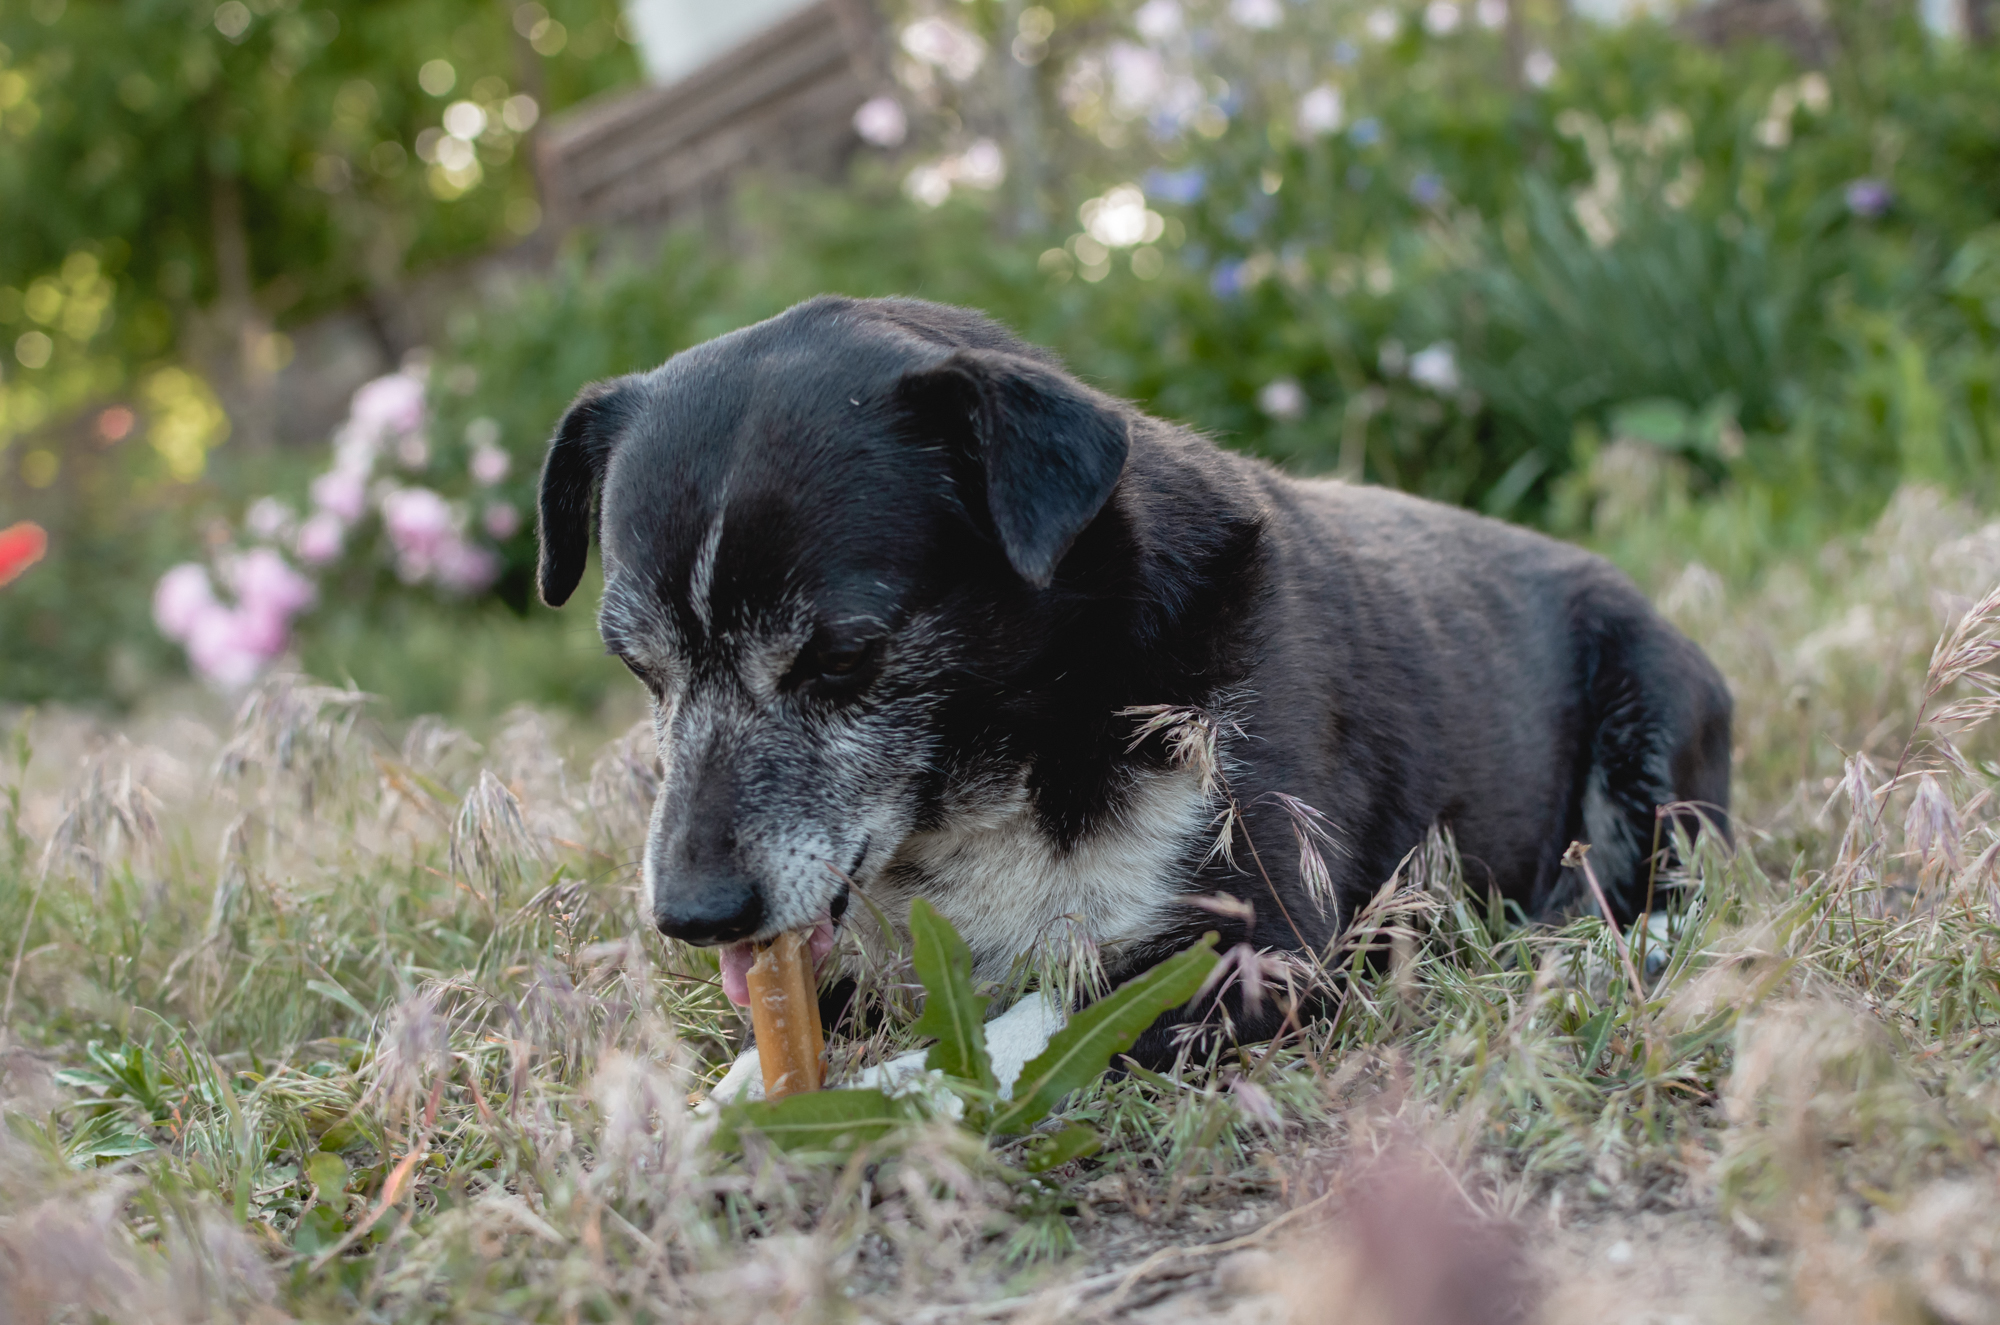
(313, 1019)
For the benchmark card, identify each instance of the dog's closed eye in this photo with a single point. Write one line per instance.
(840, 662)
(834, 668)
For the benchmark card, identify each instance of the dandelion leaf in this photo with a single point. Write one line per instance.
(821, 1120)
(1080, 1051)
(952, 1011)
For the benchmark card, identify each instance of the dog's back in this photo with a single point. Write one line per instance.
(1470, 673)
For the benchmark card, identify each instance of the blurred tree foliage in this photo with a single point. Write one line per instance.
(180, 180)
(181, 168)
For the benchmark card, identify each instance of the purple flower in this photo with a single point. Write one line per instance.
(1426, 190)
(1226, 282)
(1180, 187)
(1869, 198)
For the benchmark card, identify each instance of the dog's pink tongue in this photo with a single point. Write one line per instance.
(737, 957)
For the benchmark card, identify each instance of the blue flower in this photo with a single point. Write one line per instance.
(1869, 198)
(1246, 223)
(1366, 132)
(1345, 53)
(1226, 281)
(1179, 187)
(1426, 190)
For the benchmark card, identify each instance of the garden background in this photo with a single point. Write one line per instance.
(1567, 271)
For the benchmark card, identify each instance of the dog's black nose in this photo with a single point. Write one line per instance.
(709, 913)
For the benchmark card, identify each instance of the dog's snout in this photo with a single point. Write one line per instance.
(710, 912)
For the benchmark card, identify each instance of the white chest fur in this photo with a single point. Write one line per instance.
(1004, 885)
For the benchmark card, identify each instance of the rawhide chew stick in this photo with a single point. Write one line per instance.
(784, 1008)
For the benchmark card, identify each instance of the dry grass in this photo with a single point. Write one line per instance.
(302, 1022)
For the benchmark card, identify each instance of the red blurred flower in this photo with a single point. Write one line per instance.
(21, 546)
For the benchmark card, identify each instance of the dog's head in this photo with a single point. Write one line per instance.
(828, 541)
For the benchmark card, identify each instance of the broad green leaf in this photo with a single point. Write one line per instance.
(328, 1174)
(1072, 1142)
(1080, 1051)
(952, 1011)
(82, 1078)
(320, 1228)
(105, 1136)
(816, 1120)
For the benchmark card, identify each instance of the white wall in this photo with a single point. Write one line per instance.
(677, 37)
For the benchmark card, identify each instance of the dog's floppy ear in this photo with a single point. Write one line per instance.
(570, 478)
(1048, 448)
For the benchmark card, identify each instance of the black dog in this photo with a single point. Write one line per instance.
(919, 611)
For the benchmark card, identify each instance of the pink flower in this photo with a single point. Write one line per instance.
(179, 600)
(420, 526)
(230, 646)
(342, 493)
(489, 465)
(320, 539)
(501, 521)
(417, 519)
(269, 518)
(466, 568)
(881, 121)
(269, 588)
(387, 405)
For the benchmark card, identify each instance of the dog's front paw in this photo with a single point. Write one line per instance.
(743, 1081)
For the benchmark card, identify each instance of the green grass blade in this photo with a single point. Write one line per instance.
(1072, 1142)
(952, 1011)
(1080, 1051)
